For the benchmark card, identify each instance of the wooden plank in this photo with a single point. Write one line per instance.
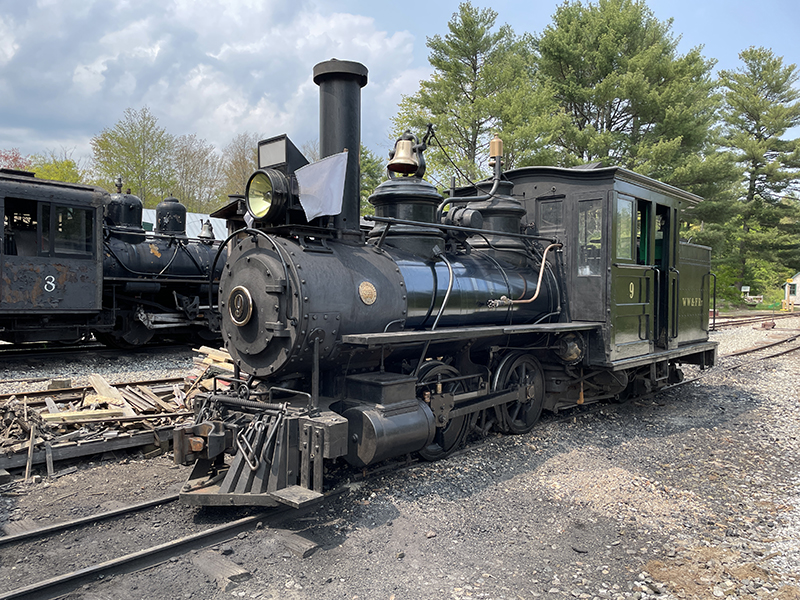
(155, 399)
(104, 388)
(30, 453)
(73, 450)
(215, 566)
(51, 405)
(135, 402)
(135, 397)
(299, 544)
(17, 527)
(296, 496)
(48, 455)
(218, 354)
(83, 415)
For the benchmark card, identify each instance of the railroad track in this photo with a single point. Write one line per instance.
(740, 321)
(142, 558)
(12, 353)
(28, 543)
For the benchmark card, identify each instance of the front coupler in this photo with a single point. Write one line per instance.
(247, 452)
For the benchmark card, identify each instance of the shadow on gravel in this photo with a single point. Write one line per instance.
(605, 429)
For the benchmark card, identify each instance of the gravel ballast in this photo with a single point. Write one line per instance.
(692, 493)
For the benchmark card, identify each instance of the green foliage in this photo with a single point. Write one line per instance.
(631, 99)
(373, 173)
(481, 84)
(240, 161)
(58, 167)
(140, 152)
(198, 174)
(761, 105)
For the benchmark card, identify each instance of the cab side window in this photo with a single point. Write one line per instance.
(590, 237)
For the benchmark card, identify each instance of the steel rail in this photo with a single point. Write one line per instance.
(62, 584)
(56, 527)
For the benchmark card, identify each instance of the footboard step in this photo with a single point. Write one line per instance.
(296, 496)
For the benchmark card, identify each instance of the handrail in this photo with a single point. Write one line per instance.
(676, 313)
(524, 236)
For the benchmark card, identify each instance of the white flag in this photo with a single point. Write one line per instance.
(322, 186)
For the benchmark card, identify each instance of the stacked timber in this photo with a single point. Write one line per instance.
(77, 422)
(41, 427)
(208, 366)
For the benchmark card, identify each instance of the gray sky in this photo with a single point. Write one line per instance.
(216, 68)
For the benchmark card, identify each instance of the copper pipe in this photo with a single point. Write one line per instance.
(505, 301)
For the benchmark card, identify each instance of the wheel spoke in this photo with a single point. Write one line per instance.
(449, 437)
(515, 371)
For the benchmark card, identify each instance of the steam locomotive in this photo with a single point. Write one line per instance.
(543, 288)
(76, 260)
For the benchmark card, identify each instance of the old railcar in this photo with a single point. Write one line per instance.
(76, 260)
(51, 273)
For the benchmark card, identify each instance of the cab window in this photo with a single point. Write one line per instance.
(590, 237)
(623, 241)
(72, 231)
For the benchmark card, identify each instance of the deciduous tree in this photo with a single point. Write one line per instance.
(373, 173)
(140, 152)
(12, 159)
(240, 160)
(198, 174)
(59, 167)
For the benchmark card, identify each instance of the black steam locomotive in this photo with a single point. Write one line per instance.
(76, 260)
(544, 288)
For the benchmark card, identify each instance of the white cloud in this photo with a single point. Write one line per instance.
(211, 67)
(88, 79)
(8, 45)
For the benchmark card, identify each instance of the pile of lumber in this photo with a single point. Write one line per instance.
(100, 418)
(211, 363)
(37, 428)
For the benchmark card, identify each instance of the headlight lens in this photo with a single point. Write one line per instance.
(259, 195)
(266, 195)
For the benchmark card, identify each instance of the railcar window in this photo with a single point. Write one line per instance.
(73, 230)
(590, 237)
(19, 227)
(624, 229)
(550, 216)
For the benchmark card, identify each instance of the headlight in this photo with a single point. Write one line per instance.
(266, 195)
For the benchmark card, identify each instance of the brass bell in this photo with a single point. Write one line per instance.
(207, 232)
(403, 160)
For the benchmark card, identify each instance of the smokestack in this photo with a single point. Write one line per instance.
(340, 83)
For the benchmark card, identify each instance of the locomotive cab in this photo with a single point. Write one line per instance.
(627, 266)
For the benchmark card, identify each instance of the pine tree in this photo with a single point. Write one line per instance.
(761, 105)
(630, 98)
(481, 85)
